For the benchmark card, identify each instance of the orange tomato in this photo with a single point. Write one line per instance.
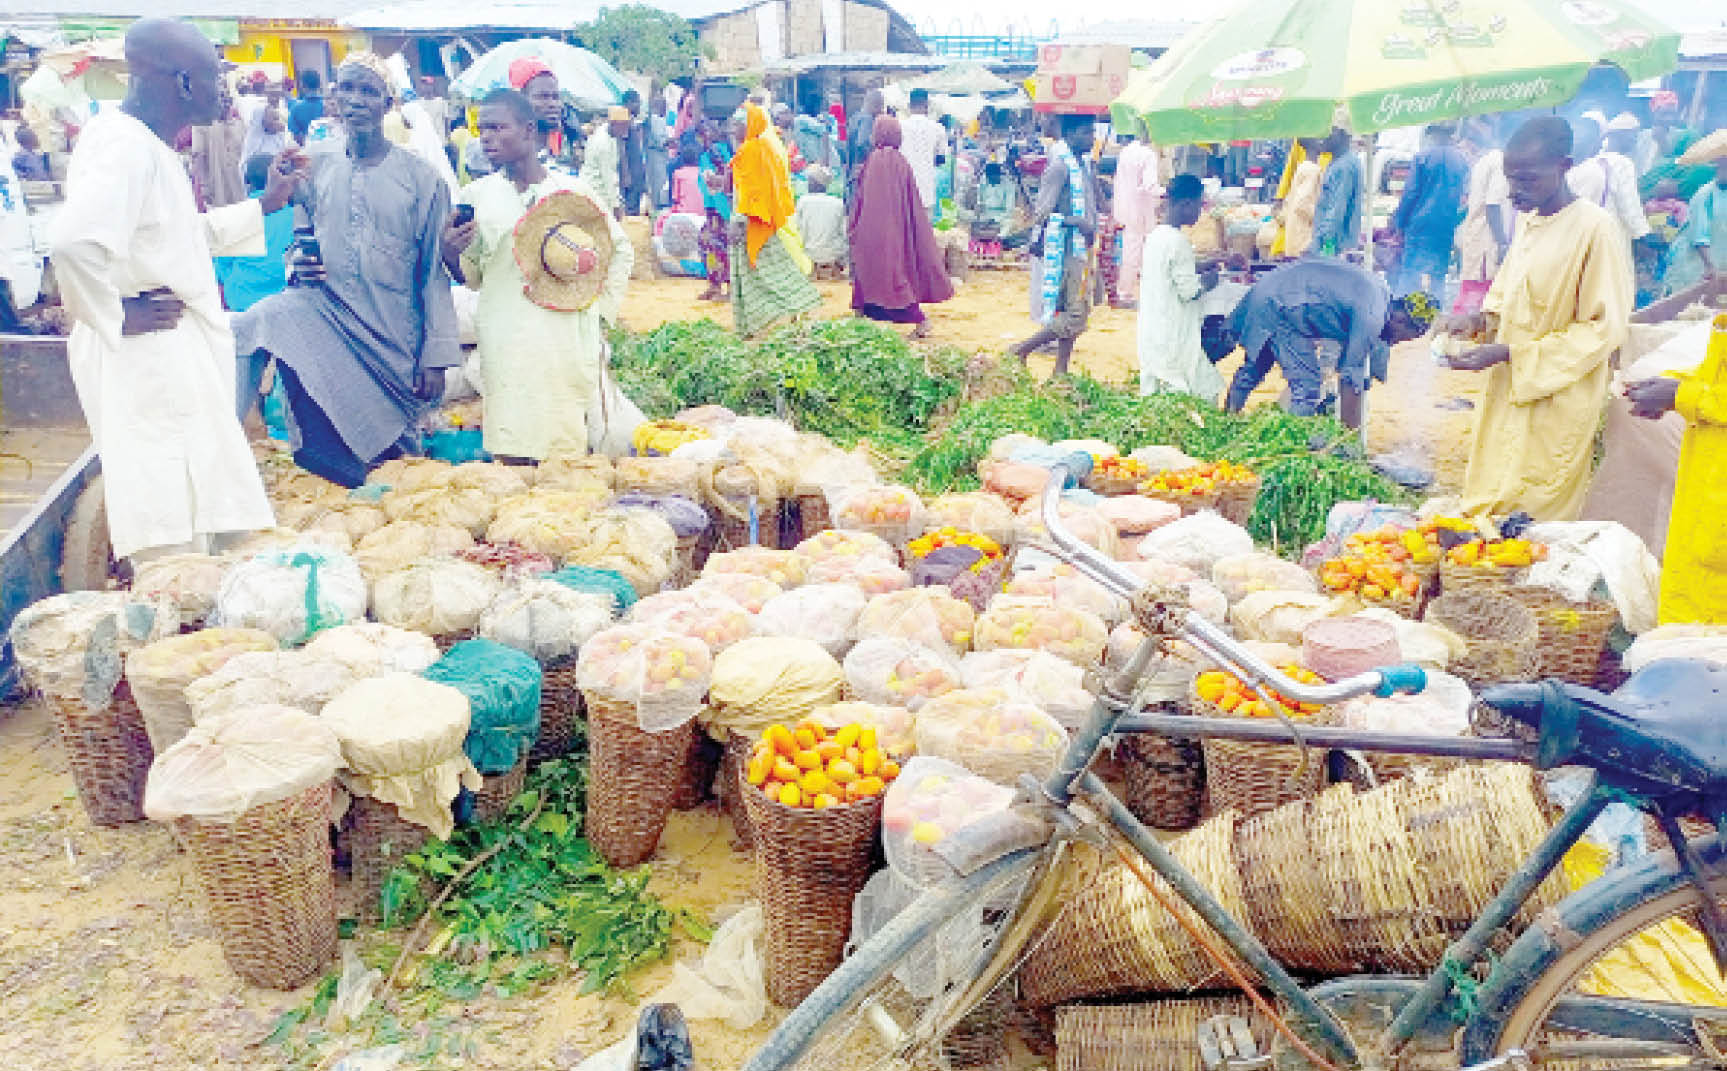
(829, 751)
(786, 770)
(807, 760)
(790, 796)
(760, 767)
(842, 771)
(806, 740)
(889, 770)
(780, 739)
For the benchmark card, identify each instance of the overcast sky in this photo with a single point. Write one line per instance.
(995, 16)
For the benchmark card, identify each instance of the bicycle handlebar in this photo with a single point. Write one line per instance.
(1211, 641)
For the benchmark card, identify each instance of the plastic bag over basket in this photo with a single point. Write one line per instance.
(932, 799)
(292, 594)
(188, 581)
(928, 616)
(845, 545)
(750, 592)
(601, 581)
(973, 511)
(784, 567)
(402, 740)
(1240, 575)
(768, 679)
(825, 613)
(401, 544)
(160, 672)
(872, 576)
(661, 675)
(70, 646)
(1198, 542)
(897, 672)
(993, 732)
(1030, 622)
(1053, 684)
(439, 596)
(545, 619)
(503, 689)
(1068, 587)
(707, 615)
(254, 755)
(890, 511)
(638, 543)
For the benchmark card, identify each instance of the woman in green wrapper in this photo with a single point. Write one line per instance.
(1701, 248)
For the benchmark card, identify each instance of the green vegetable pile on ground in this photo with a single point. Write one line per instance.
(938, 412)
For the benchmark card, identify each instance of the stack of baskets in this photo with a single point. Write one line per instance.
(1501, 634)
(745, 503)
(1164, 779)
(809, 865)
(1155, 1036)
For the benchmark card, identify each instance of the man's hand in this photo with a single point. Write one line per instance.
(457, 237)
(286, 172)
(1652, 399)
(1466, 325)
(429, 384)
(1481, 357)
(155, 310)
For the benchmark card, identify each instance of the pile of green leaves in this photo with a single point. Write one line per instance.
(850, 380)
(544, 887)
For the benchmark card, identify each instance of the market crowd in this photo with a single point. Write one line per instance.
(226, 240)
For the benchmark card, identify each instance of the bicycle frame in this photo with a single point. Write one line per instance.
(1113, 713)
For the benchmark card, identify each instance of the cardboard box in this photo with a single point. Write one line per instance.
(1084, 59)
(1084, 94)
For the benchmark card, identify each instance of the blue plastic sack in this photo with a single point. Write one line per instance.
(503, 689)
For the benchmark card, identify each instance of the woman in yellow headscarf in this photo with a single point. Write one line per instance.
(767, 285)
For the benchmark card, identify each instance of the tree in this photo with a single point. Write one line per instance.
(643, 39)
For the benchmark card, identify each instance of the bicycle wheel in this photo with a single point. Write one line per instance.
(862, 1016)
(1618, 976)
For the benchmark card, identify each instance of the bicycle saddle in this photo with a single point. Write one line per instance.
(1666, 727)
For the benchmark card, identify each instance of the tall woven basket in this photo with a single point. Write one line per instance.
(632, 776)
(1500, 632)
(270, 887)
(109, 753)
(1570, 637)
(809, 865)
(560, 712)
(1252, 778)
(807, 514)
(1155, 1036)
(498, 791)
(378, 839)
(733, 762)
(1235, 501)
(1288, 900)
(696, 778)
(1165, 779)
(1462, 579)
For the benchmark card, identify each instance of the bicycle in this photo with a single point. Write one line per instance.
(1651, 745)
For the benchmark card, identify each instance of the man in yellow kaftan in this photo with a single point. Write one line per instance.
(1694, 569)
(1558, 308)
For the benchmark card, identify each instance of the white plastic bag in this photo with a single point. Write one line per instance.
(1068, 587)
(729, 984)
(1440, 709)
(438, 596)
(471, 509)
(974, 511)
(769, 679)
(747, 590)
(993, 732)
(292, 594)
(71, 646)
(1197, 542)
(373, 649)
(264, 678)
(661, 675)
(893, 724)
(188, 581)
(402, 543)
(932, 799)
(872, 576)
(1055, 685)
(402, 740)
(897, 672)
(716, 619)
(825, 613)
(1029, 622)
(160, 672)
(638, 543)
(928, 616)
(893, 512)
(1240, 575)
(835, 544)
(1282, 616)
(545, 619)
(225, 767)
(784, 567)
(1707, 642)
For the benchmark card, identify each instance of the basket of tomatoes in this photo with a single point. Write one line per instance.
(1228, 488)
(1390, 566)
(1117, 475)
(1249, 777)
(814, 797)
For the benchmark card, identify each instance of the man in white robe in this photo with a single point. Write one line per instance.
(1171, 359)
(151, 352)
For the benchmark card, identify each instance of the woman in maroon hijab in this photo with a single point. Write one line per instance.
(896, 265)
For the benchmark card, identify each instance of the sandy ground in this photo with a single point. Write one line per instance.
(107, 962)
(1407, 416)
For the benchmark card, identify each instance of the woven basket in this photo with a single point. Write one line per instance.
(980, 1039)
(1570, 637)
(696, 777)
(450, 639)
(1113, 936)
(734, 761)
(109, 753)
(808, 514)
(1189, 504)
(1287, 893)
(498, 792)
(809, 865)
(378, 838)
(1691, 825)
(1113, 485)
(1235, 501)
(632, 776)
(1500, 633)
(1165, 779)
(1460, 579)
(1157, 1036)
(270, 887)
(1252, 778)
(560, 712)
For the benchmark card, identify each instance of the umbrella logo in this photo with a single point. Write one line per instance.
(1263, 63)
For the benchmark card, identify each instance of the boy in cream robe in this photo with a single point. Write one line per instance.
(1559, 307)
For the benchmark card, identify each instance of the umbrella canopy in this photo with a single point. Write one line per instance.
(586, 80)
(962, 79)
(1283, 68)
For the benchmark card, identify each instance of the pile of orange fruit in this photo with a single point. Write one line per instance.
(1199, 480)
(1384, 564)
(949, 536)
(809, 765)
(1116, 467)
(1498, 554)
(1228, 693)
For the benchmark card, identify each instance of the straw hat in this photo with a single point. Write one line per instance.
(1706, 150)
(564, 249)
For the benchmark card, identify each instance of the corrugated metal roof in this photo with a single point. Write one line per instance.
(1135, 33)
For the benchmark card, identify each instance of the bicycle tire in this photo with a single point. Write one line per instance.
(1551, 955)
(860, 972)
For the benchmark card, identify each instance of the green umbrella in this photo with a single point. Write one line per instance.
(1283, 68)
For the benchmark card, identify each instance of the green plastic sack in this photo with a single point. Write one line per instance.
(598, 581)
(503, 689)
